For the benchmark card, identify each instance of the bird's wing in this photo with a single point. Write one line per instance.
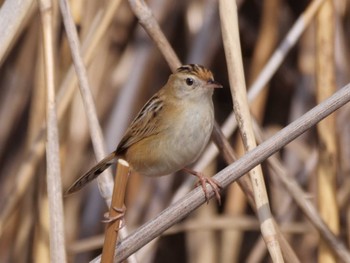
(144, 125)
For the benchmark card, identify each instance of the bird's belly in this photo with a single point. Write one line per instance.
(173, 150)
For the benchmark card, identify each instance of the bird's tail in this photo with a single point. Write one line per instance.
(92, 173)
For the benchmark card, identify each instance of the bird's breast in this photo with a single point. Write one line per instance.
(193, 133)
(177, 146)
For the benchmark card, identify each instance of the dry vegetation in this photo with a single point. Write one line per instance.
(295, 55)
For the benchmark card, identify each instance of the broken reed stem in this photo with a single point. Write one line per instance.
(230, 35)
(117, 205)
(54, 186)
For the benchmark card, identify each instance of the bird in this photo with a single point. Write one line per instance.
(170, 132)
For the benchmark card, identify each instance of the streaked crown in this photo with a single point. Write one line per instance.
(197, 70)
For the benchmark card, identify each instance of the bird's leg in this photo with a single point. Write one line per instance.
(203, 182)
(110, 219)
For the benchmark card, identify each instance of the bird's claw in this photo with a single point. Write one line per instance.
(110, 219)
(215, 185)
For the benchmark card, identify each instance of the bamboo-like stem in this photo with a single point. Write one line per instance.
(112, 228)
(328, 161)
(195, 198)
(230, 35)
(54, 188)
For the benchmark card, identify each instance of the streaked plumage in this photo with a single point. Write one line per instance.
(170, 131)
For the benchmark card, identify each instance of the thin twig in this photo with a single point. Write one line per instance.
(54, 186)
(195, 198)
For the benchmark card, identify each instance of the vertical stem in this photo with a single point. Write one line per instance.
(327, 166)
(54, 188)
(230, 34)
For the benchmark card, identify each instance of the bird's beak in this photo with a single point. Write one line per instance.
(212, 84)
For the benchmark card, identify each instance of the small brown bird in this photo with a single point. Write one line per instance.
(171, 130)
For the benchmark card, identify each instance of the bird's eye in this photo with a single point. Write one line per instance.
(189, 81)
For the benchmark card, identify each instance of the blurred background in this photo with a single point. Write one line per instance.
(124, 70)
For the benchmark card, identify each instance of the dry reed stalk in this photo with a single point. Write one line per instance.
(266, 42)
(64, 96)
(328, 159)
(246, 185)
(230, 35)
(257, 252)
(41, 246)
(54, 188)
(105, 181)
(19, 234)
(147, 20)
(206, 42)
(300, 197)
(195, 198)
(243, 222)
(12, 25)
(115, 211)
(37, 109)
(217, 223)
(289, 41)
